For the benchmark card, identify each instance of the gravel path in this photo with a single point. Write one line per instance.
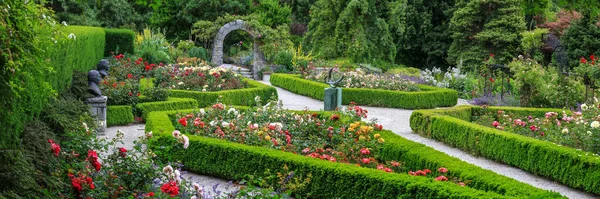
(398, 120)
(132, 132)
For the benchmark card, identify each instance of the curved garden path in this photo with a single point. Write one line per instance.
(396, 120)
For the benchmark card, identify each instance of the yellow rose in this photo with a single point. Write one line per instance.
(377, 136)
(361, 137)
(353, 126)
(267, 137)
(380, 140)
(260, 133)
(351, 129)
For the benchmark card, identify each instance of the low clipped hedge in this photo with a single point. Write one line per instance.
(240, 97)
(172, 103)
(119, 41)
(336, 180)
(428, 97)
(453, 126)
(118, 115)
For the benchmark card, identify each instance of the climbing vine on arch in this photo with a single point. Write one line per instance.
(271, 39)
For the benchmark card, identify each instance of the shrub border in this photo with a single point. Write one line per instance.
(241, 97)
(118, 115)
(234, 161)
(172, 103)
(428, 97)
(453, 126)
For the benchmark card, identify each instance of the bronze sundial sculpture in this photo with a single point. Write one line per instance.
(330, 81)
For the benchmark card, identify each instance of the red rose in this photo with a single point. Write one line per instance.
(148, 68)
(395, 164)
(442, 170)
(583, 60)
(379, 127)
(183, 121)
(441, 178)
(76, 183)
(138, 94)
(130, 93)
(170, 188)
(492, 55)
(495, 124)
(129, 76)
(335, 117)
(123, 151)
(365, 151)
(150, 194)
(366, 160)
(114, 85)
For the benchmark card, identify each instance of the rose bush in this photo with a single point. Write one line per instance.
(199, 77)
(578, 128)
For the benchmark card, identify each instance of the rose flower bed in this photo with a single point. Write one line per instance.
(199, 78)
(560, 145)
(578, 129)
(360, 79)
(347, 158)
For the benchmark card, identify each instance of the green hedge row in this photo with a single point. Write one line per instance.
(428, 97)
(81, 53)
(119, 41)
(241, 97)
(118, 115)
(335, 180)
(453, 126)
(171, 104)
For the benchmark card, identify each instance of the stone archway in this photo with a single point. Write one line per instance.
(217, 54)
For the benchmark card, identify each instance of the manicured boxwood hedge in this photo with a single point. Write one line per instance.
(453, 126)
(119, 41)
(118, 115)
(428, 97)
(172, 103)
(240, 97)
(335, 180)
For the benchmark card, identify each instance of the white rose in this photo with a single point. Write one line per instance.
(595, 124)
(565, 130)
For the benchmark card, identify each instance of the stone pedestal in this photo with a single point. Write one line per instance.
(332, 98)
(98, 112)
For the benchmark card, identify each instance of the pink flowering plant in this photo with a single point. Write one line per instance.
(339, 136)
(200, 77)
(578, 129)
(360, 79)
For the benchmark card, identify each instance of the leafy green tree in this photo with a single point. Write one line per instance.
(582, 39)
(271, 13)
(420, 31)
(483, 27)
(177, 16)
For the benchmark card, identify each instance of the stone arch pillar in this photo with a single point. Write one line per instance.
(217, 54)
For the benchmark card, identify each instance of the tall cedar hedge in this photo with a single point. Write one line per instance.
(119, 41)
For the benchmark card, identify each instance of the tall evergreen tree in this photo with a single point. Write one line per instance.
(483, 27)
(420, 31)
(350, 28)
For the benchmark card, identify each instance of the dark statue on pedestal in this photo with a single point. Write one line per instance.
(102, 67)
(94, 78)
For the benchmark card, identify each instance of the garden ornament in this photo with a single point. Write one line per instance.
(94, 78)
(103, 67)
(331, 82)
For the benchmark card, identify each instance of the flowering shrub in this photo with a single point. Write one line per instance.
(200, 77)
(339, 137)
(124, 92)
(359, 79)
(124, 68)
(578, 129)
(453, 78)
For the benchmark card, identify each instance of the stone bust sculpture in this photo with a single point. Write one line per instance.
(94, 78)
(103, 67)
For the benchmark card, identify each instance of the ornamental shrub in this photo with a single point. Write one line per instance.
(581, 39)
